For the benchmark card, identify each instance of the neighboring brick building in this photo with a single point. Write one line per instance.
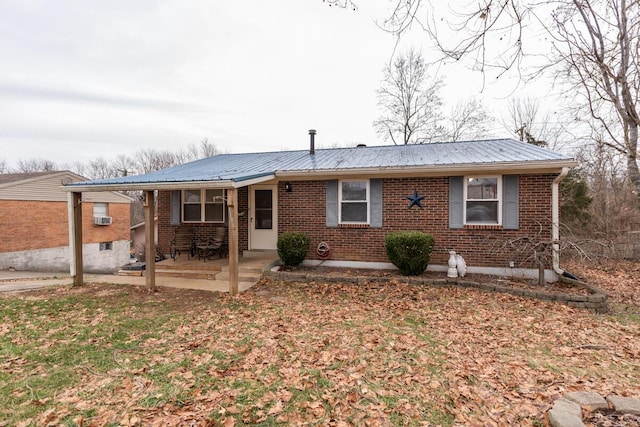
(34, 226)
(470, 195)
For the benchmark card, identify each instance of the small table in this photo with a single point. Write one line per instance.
(205, 251)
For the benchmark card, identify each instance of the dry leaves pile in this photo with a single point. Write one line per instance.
(317, 354)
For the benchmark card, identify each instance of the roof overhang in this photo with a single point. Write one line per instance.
(438, 170)
(164, 185)
(537, 167)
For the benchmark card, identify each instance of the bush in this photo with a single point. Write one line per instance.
(293, 247)
(410, 251)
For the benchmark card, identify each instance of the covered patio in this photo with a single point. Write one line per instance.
(233, 272)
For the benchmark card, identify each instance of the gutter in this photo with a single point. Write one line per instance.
(555, 222)
(166, 185)
(542, 166)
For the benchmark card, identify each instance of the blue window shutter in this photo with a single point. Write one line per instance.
(332, 203)
(175, 207)
(456, 202)
(510, 205)
(375, 203)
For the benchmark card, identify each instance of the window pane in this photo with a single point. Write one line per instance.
(214, 212)
(263, 199)
(214, 196)
(264, 219)
(192, 196)
(192, 212)
(482, 188)
(354, 212)
(486, 212)
(100, 209)
(354, 190)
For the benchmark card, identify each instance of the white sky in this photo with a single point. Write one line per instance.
(81, 79)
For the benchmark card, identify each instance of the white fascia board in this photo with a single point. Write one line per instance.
(149, 186)
(437, 170)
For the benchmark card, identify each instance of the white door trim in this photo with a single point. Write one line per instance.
(263, 238)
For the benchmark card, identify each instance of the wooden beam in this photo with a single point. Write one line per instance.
(76, 267)
(232, 205)
(149, 240)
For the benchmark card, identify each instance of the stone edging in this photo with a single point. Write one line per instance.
(568, 411)
(596, 300)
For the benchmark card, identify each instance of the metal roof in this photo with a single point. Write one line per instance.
(239, 168)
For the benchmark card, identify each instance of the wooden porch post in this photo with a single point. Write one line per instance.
(232, 204)
(149, 240)
(74, 202)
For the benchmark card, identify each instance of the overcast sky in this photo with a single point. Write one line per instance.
(81, 79)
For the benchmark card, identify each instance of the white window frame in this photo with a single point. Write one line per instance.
(106, 246)
(100, 209)
(203, 203)
(498, 199)
(367, 200)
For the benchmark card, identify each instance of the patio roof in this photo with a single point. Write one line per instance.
(238, 170)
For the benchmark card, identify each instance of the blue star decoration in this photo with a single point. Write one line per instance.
(415, 200)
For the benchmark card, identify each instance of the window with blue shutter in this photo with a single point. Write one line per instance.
(510, 202)
(484, 200)
(354, 202)
(456, 202)
(332, 203)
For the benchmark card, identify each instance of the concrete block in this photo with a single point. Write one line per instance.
(559, 418)
(588, 400)
(627, 405)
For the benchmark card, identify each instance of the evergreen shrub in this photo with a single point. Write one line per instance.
(293, 247)
(410, 251)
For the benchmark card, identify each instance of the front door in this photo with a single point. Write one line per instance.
(263, 222)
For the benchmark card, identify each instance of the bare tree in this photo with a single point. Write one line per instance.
(124, 165)
(99, 169)
(3, 166)
(35, 165)
(597, 46)
(345, 4)
(529, 123)
(468, 120)
(149, 160)
(410, 102)
(612, 208)
(208, 149)
(194, 152)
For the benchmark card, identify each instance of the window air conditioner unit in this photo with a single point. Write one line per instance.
(102, 220)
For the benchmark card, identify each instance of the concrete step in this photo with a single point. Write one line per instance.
(132, 273)
(241, 269)
(192, 266)
(242, 277)
(258, 253)
(188, 274)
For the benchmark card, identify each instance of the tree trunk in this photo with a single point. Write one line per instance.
(632, 160)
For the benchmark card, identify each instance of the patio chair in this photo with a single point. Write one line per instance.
(183, 240)
(212, 246)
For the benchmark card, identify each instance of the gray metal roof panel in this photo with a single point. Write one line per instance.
(245, 166)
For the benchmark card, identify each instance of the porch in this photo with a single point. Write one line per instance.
(213, 275)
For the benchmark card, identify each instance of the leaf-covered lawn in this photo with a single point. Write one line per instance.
(312, 354)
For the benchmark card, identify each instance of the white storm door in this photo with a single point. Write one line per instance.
(263, 222)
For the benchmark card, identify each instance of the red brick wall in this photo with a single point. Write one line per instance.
(201, 231)
(304, 209)
(27, 225)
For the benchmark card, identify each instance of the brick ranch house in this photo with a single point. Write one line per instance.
(351, 198)
(35, 230)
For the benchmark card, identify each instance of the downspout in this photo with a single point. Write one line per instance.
(555, 221)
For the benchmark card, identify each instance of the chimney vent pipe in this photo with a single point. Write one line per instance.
(312, 141)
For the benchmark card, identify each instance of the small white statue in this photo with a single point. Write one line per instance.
(453, 271)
